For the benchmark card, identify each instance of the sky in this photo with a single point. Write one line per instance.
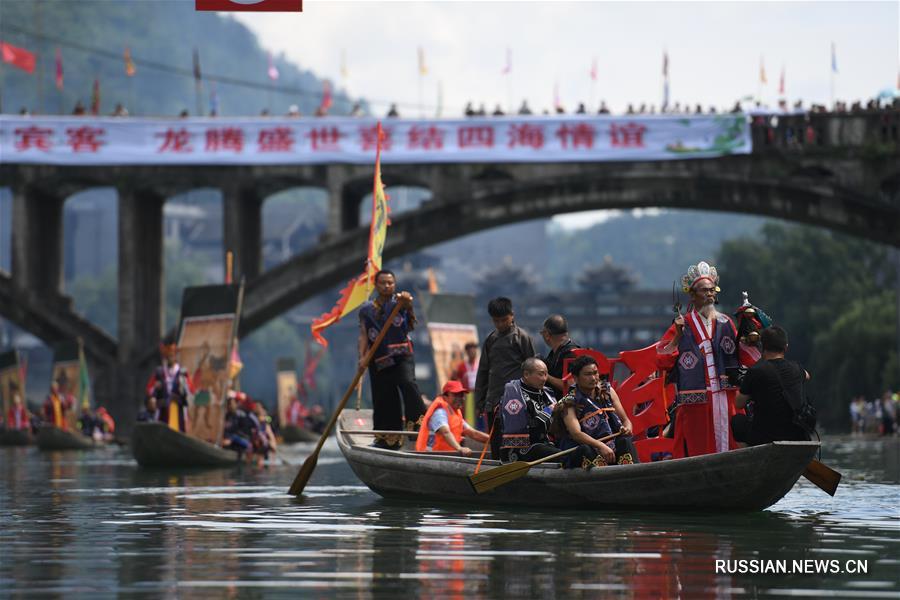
(714, 48)
(715, 52)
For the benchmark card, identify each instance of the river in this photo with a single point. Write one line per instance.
(93, 524)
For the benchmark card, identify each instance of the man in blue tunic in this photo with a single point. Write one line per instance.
(525, 408)
(393, 368)
(589, 413)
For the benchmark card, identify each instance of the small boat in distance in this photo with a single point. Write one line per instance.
(156, 444)
(291, 434)
(15, 437)
(749, 479)
(54, 438)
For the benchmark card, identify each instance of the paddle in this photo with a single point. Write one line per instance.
(826, 478)
(488, 480)
(309, 465)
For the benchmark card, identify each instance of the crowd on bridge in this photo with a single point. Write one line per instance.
(677, 108)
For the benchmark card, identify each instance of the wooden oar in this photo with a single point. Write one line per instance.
(309, 465)
(826, 478)
(488, 480)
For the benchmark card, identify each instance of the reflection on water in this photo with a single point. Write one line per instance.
(89, 523)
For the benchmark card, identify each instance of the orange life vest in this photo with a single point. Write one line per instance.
(454, 421)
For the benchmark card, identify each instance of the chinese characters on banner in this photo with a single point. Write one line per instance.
(571, 138)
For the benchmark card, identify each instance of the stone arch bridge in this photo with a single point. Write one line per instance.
(840, 172)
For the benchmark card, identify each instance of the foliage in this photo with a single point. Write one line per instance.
(658, 248)
(155, 32)
(834, 295)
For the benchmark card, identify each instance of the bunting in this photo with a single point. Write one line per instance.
(665, 71)
(84, 379)
(130, 69)
(507, 68)
(359, 289)
(594, 70)
(59, 70)
(423, 70)
(273, 70)
(781, 82)
(834, 68)
(762, 71)
(327, 98)
(17, 57)
(95, 97)
(198, 77)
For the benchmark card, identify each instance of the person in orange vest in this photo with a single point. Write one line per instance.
(443, 426)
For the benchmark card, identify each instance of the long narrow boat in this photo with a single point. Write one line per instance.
(748, 479)
(158, 445)
(292, 434)
(15, 437)
(54, 438)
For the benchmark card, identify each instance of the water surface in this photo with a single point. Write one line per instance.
(93, 524)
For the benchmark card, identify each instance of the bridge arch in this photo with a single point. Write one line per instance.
(337, 259)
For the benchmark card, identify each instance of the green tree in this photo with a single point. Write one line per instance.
(834, 295)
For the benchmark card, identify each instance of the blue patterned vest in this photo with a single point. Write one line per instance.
(525, 422)
(396, 345)
(595, 419)
(690, 368)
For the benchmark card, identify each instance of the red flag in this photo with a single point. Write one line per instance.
(327, 99)
(309, 371)
(781, 82)
(95, 98)
(17, 57)
(594, 70)
(59, 70)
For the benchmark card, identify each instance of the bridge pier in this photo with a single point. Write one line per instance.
(141, 294)
(37, 241)
(242, 224)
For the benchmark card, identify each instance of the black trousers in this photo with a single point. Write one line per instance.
(532, 452)
(395, 393)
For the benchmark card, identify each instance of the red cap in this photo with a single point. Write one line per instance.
(454, 387)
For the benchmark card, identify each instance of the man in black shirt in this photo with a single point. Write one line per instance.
(776, 386)
(556, 336)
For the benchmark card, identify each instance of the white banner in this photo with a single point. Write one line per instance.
(280, 141)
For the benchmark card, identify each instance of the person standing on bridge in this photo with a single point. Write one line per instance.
(699, 361)
(393, 367)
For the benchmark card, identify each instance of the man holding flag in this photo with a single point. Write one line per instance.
(393, 367)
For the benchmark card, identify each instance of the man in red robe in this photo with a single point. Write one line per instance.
(699, 347)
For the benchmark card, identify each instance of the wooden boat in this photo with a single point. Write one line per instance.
(747, 479)
(291, 434)
(15, 437)
(158, 445)
(54, 438)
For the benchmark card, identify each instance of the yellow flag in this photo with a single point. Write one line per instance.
(360, 288)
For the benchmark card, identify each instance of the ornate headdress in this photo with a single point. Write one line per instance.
(702, 270)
